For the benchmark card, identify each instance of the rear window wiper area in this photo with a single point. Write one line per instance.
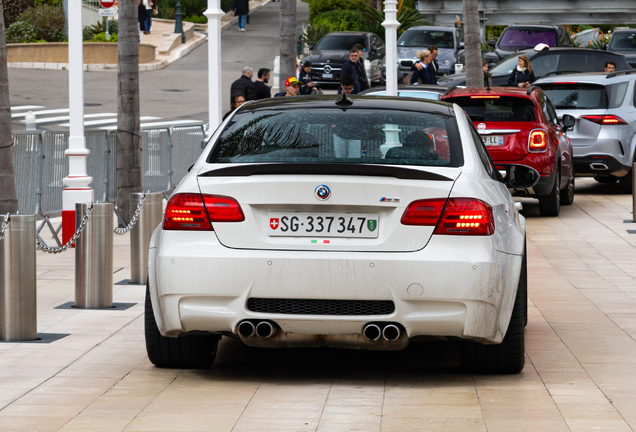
(324, 169)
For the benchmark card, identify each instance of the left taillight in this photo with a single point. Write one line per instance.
(537, 141)
(196, 212)
(455, 216)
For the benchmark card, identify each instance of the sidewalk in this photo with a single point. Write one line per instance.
(580, 372)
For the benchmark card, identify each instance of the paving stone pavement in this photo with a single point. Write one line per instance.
(580, 373)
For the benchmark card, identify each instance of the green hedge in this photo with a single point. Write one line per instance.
(318, 7)
(341, 20)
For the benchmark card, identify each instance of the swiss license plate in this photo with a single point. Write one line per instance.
(327, 75)
(493, 140)
(312, 224)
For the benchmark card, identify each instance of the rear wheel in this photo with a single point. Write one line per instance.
(567, 194)
(606, 179)
(549, 205)
(187, 352)
(509, 356)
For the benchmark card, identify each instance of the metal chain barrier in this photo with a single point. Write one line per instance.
(133, 221)
(4, 226)
(80, 228)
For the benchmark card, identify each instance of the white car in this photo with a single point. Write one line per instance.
(355, 223)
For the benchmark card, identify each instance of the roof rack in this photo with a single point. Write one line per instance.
(617, 73)
(532, 88)
(560, 73)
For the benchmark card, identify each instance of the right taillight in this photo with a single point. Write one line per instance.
(196, 212)
(605, 119)
(455, 216)
(537, 141)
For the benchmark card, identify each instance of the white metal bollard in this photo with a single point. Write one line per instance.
(29, 119)
(18, 283)
(94, 257)
(276, 81)
(150, 217)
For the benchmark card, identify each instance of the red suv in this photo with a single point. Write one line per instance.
(520, 126)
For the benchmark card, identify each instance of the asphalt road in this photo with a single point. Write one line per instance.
(179, 91)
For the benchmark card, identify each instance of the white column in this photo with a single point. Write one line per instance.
(215, 69)
(78, 189)
(391, 24)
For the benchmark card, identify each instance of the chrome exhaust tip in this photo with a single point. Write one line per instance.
(246, 329)
(391, 333)
(265, 330)
(599, 166)
(372, 332)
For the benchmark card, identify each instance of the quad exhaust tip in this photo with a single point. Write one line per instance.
(391, 333)
(265, 329)
(246, 329)
(372, 332)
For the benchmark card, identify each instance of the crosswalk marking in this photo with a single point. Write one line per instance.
(25, 107)
(63, 118)
(45, 112)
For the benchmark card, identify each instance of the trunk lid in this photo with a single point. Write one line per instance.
(371, 205)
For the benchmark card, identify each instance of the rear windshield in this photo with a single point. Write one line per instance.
(340, 136)
(527, 38)
(340, 43)
(623, 41)
(497, 108)
(424, 38)
(576, 96)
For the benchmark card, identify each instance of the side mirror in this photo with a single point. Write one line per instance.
(374, 48)
(520, 176)
(462, 44)
(492, 42)
(312, 46)
(604, 46)
(568, 122)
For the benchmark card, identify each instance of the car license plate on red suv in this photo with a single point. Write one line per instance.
(312, 224)
(493, 140)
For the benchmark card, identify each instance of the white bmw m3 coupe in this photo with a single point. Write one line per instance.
(359, 223)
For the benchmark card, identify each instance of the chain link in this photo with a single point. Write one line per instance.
(4, 226)
(133, 221)
(56, 250)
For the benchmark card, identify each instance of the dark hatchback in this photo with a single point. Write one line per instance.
(332, 51)
(554, 60)
(518, 37)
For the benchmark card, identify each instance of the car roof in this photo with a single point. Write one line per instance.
(539, 26)
(430, 28)
(591, 77)
(359, 102)
(495, 91)
(423, 87)
(347, 33)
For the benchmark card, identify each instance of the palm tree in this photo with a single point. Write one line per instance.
(128, 123)
(287, 39)
(474, 74)
(8, 198)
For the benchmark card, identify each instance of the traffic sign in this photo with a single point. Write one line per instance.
(107, 3)
(107, 12)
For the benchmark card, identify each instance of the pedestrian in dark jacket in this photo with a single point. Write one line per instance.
(244, 84)
(421, 74)
(241, 9)
(305, 78)
(433, 66)
(236, 100)
(260, 85)
(363, 79)
(349, 68)
(487, 76)
(522, 75)
(141, 12)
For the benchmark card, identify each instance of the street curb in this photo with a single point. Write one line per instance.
(175, 55)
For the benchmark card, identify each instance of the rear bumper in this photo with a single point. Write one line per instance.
(593, 165)
(455, 287)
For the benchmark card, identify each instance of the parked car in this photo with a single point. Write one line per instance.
(604, 137)
(554, 60)
(429, 92)
(327, 222)
(623, 41)
(332, 51)
(448, 40)
(520, 126)
(522, 36)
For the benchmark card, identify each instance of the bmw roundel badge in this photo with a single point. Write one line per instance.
(322, 192)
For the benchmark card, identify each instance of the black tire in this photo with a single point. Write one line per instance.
(187, 352)
(509, 356)
(626, 183)
(567, 194)
(550, 205)
(609, 179)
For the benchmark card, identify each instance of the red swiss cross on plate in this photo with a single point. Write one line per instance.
(273, 222)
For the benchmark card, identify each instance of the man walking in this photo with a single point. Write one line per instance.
(262, 90)
(363, 80)
(433, 66)
(349, 68)
(244, 84)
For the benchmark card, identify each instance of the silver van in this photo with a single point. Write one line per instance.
(604, 105)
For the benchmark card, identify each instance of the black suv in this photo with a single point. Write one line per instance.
(518, 37)
(554, 60)
(623, 41)
(332, 51)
